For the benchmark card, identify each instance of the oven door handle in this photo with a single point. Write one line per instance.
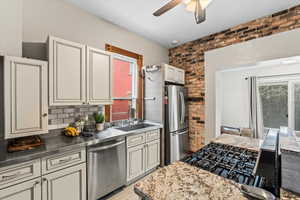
(257, 193)
(106, 147)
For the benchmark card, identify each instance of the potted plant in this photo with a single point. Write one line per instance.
(99, 119)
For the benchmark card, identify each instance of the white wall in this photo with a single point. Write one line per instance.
(234, 91)
(281, 45)
(11, 27)
(62, 19)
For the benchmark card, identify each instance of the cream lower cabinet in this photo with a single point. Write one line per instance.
(30, 190)
(25, 107)
(69, 183)
(152, 154)
(144, 156)
(28, 181)
(136, 162)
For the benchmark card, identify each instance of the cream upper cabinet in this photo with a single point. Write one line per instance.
(67, 68)
(180, 76)
(78, 74)
(170, 73)
(174, 74)
(99, 77)
(25, 93)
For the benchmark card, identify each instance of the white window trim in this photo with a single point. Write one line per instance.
(289, 80)
(133, 65)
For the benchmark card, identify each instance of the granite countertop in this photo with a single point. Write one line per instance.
(181, 181)
(59, 143)
(286, 195)
(239, 141)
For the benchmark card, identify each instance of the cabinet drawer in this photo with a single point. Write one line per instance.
(61, 161)
(18, 173)
(152, 135)
(136, 140)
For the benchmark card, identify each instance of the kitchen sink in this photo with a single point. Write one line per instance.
(134, 127)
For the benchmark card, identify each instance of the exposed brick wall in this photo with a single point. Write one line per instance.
(61, 115)
(190, 56)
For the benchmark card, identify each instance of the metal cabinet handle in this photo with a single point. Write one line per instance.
(65, 160)
(10, 176)
(45, 115)
(36, 183)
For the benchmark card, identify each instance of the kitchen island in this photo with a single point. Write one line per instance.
(182, 181)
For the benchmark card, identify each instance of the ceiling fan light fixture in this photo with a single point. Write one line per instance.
(191, 4)
(174, 42)
(200, 14)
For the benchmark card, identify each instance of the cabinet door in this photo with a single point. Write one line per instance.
(99, 77)
(180, 76)
(170, 73)
(153, 154)
(29, 190)
(135, 161)
(69, 183)
(66, 72)
(26, 98)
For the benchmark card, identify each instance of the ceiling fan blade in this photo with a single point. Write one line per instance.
(200, 13)
(167, 7)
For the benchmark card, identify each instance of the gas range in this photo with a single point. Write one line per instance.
(229, 162)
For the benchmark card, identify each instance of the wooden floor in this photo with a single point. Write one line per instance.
(125, 193)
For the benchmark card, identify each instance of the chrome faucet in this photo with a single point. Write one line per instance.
(132, 116)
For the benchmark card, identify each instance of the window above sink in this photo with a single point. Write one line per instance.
(125, 87)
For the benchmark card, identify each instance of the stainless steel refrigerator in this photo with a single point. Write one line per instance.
(176, 123)
(166, 104)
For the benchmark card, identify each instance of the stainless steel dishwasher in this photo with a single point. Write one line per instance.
(106, 168)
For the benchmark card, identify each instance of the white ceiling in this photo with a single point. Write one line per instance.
(178, 24)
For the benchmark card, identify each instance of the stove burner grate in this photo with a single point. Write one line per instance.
(227, 161)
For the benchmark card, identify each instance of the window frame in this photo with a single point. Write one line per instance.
(290, 81)
(134, 82)
(140, 85)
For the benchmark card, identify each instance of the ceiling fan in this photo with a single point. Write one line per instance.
(196, 6)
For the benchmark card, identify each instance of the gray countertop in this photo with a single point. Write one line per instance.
(289, 142)
(59, 143)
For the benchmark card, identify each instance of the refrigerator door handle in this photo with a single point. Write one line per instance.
(182, 108)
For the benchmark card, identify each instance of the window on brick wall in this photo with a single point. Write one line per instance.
(124, 88)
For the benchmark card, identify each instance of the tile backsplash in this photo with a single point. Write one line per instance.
(61, 116)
